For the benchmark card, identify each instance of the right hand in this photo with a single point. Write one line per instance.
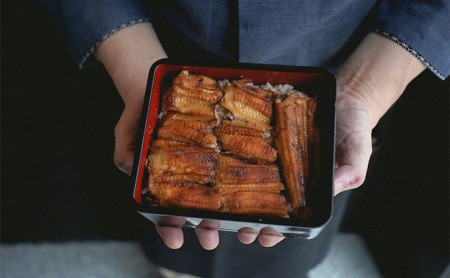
(353, 141)
(125, 134)
(370, 82)
(127, 56)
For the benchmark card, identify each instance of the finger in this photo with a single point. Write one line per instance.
(269, 237)
(347, 177)
(169, 228)
(208, 233)
(123, 159)
(247, 235)
(124, 133)
(352, 160)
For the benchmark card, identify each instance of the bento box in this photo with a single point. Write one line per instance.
(236, 206)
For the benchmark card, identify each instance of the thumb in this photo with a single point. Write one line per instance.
(125, 137)
(352, 159)
(348, 177)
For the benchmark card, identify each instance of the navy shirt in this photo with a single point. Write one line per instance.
(317, 33)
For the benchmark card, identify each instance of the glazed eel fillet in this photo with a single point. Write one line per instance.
(235, 175)
(194, 94)
(245, 102)
(250, 188)
(194, 196)
(191, 110)
(182, 175)
(292, 144)
(177, 131)
(255, 202)
(247, 134)
(172, 161)
(186, 195)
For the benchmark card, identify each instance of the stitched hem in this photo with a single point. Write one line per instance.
(86, 61)
(412, 51)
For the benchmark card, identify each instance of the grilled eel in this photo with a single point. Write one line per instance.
(171, 161)
(187, 195)
(245, 103)
(194, 94)
(194, 196)
(255, 202)
(235, 175)
(247, 134)
(292, 144)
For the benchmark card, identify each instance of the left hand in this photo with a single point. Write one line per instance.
(353, 141)
(370, 82)
(127, 56)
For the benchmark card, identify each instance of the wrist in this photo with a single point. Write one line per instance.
(127, 57)
(376, 74)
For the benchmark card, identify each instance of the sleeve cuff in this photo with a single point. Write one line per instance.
(84, 24)
(421, 27)
(412, 51)
(89, 59)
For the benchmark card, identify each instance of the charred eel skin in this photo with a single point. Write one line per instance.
(292, 144)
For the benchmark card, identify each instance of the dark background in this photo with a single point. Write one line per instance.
(59, 182)
(58, 177)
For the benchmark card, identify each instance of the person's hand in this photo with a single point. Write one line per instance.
(370, 82)
(353, 142)
(127, 57)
